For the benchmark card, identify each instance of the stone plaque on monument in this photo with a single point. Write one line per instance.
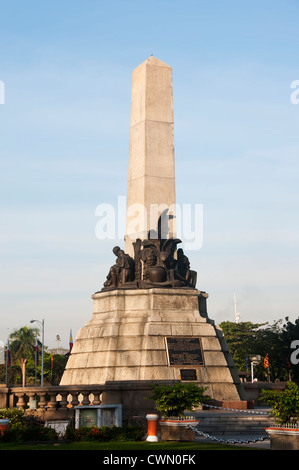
(188, 375)
(184, 351)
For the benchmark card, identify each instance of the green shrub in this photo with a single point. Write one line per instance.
(173, 400)
(15, 415)
(17, 422)
(21, 428)
(105, 433)
(285, 403)
(36, 432)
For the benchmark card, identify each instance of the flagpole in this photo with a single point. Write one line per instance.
(52, 365)
(71, 341)
(8, 360)
(6, 365)
(43, 333)
(35, 369)
(35, 361)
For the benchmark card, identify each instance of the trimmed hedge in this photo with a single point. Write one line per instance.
(22, 429)
(285, 403)
(105, 433)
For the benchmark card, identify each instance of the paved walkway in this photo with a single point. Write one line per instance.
(265, 444)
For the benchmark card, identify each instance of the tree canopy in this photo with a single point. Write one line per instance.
(22, 347)
(274, 341)
(22, 369)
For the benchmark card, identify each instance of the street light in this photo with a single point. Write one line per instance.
(255, 360)
(57, 339)
(42, 324)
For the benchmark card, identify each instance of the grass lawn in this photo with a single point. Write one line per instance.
(103, 446)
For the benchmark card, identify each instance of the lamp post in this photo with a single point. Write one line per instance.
(255, 360)
(57, 339)
(42, 324)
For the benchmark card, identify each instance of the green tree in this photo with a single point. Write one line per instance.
(242, 340)
(172, 400)
(285, 403)
(245, 339)
(22, 347)
(53, 368)
(269, 341)
(22, 368)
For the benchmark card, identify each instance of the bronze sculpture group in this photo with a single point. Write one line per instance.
(156, 263)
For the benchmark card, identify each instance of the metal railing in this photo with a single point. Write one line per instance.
(294, 425)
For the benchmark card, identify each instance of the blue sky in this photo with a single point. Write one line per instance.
(64, 142)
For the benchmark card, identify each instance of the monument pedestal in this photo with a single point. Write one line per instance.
(153, 335)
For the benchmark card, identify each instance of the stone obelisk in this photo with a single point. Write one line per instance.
(151, 175)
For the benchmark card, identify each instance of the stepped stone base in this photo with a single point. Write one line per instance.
(126, 341)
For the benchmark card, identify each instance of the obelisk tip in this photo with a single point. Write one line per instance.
(152, 60)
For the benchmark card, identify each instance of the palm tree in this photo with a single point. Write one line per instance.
(22, 347)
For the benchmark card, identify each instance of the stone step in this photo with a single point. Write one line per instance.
(236, 423)
(220, 423)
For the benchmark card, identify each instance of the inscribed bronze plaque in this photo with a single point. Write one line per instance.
(184, 351)
(188, 374)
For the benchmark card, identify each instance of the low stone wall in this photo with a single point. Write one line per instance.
(253, 390)
(58, 402)
(177, 430)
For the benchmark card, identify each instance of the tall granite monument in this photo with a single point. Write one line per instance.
(149, 320)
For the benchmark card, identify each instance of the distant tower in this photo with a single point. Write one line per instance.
(237, 315)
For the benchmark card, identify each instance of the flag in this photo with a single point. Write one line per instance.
(36, 350)
(52, 361)
(266, 361)
(8, 354)
(71, 341)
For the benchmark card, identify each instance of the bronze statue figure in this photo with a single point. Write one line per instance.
(157, 263)
(122, 271)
